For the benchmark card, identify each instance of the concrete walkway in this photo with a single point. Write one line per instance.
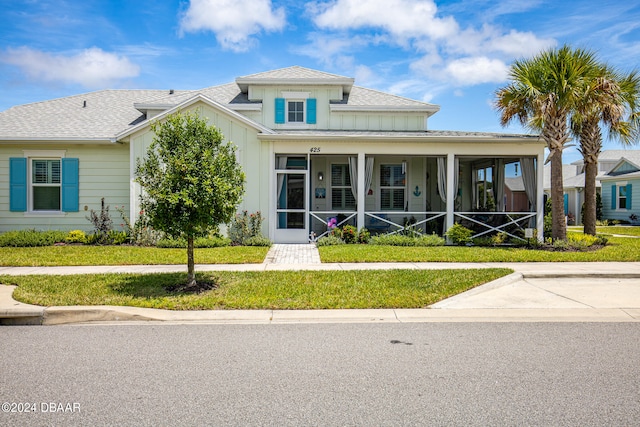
(293, 254)
(573, 292)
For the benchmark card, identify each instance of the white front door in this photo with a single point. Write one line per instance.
(292, 211)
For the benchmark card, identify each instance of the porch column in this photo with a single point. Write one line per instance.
(451, 190)
(361, 190)
(540, 197)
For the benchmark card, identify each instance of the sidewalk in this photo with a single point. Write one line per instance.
(536, 292)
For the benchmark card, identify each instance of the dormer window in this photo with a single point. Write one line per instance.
(295, 108)
(295, 111)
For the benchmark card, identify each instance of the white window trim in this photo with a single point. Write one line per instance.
(32, 155)
(296, 96)
(381, 187)
(346, 188)
(618, 185)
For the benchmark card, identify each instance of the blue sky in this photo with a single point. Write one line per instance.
(451, 53)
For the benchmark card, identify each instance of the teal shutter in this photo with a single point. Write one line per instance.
(279, 110)
(566, 204)
(614, 197)
(17, 184)
(70, 185)
(629, 186)
(311, 111)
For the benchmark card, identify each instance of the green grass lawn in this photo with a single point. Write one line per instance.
(126, 255)
(618, 249)
(628, 231)
(255, 290)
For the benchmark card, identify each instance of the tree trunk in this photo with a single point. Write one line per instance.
(555, 135)
(558, 225)
(590, 145)
(191, 270)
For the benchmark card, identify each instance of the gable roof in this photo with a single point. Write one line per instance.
(294, 75)
(90, 116)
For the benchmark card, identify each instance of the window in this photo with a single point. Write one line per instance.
(392, 187)
(295, 111)
(622, 197)
(341, 194)
(45, 185)
(44, 181)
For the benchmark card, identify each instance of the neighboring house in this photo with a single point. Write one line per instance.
(313, 145)
(573, 182)
(516, 199)
(621, 191)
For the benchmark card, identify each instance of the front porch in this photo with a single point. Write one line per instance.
(390, 193)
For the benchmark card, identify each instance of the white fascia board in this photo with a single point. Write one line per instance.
(197, 98)
(246, 107)
(403, 138)
(107, 140)
(428, 110)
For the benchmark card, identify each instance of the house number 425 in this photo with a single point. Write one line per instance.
(314, 150)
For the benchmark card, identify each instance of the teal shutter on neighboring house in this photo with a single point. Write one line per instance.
(566, 204)
(311, 111)
(614, 197)
(629, 196)
(279, 110)
(17, 184)
(70, 185)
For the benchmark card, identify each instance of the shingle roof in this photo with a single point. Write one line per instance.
(514, 183)
(105, 113)
(294, 72)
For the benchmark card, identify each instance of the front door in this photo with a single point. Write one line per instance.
(291, 209)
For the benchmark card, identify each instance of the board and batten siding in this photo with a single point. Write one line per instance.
(103, 172)
(251, 154)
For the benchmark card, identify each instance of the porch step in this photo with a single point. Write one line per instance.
(303, 253)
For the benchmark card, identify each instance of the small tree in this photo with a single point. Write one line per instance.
(192, 182)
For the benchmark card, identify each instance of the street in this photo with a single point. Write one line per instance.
(576, 374)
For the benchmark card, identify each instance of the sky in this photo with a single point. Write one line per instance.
(452, 53)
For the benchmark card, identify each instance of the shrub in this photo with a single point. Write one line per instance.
(329, 240)
(245, 226)
(200, 242)
(404, 240)
(117, 237)
(349, 234)
(31, 238)
(76, 236)
(364, 236)
(257, 241)
(102, 222)
(459, 234)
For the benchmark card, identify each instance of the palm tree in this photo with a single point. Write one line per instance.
(613, 101)
(543, 92)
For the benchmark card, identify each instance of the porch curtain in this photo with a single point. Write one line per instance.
(442, 176)
(353, 174)
(498, 184)
(282, 164)
(528, 166)
(474, 188)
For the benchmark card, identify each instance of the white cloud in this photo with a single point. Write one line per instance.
(478, 70)
(401, 18)
(91, 68)
(233, 21)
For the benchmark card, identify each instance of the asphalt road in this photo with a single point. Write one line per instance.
(546, 374)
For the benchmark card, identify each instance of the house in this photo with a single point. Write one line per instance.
(621, 190)
(609, 161)
(314, 146)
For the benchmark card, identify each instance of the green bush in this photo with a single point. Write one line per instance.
(404, 240)
(31, 238)
(459, 234)
(76, 236)
(200, 242)
(364, 236)
(244, 226)
(117, 237)
(257, 241)
(329, 240)
(349, 234)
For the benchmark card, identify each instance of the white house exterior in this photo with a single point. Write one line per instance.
(313, 145)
